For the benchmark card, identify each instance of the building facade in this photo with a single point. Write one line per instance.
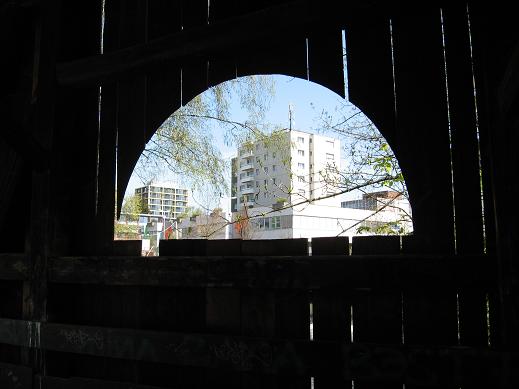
(163, 199)
(286, 187)
(290, 166)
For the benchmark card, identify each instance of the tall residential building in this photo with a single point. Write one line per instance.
(164, 199)
(291, 166)
(284, 187)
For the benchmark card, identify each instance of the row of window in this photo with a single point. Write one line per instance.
(267, 223)
(156, 189)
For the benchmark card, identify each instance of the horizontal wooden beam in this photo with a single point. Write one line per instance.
(14, 267)
(289, 19)
(424, 366)
(47, 382)
(294, 272)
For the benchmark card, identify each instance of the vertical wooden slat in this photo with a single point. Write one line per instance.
(108, 138)
(376, 244)
(465, 158)
(331, 246)
(466, 168)
(131, 98)
(422, 130)
(377, 314)
(258, 319)
(285, 56)
(325, 59)
(331, 321)
(293, 322)
(194, 72)
(164, 92)
(370, 71)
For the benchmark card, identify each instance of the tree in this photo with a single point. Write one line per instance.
(184, 145)
(133, 206)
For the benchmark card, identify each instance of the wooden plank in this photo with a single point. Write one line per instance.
(275, 247)
(424, 153)
(427, 366)
(127, 247)
(376, 244)
(15, 376)
(106, 194)
(325, 59)
(370, 68)
(331, 321)
(265, 272)
(194, 71)
(331, 246)
(131, 98)
(164, 17)
(377, 318)
(465, 153)
(289, 19)
(47, 382)
(183, 247)
(227, 247)
(14, 267)
(371, 308)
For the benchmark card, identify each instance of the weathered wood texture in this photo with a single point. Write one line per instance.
(271, 272)
(14, 267)
(426, 366)
(15, 376)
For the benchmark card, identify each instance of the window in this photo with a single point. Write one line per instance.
(275, 222)
(300, 178)
(273, 154)
(265, 195)
(273, 168)
(301, 153)
(265, 157)
(330, 157)
(301, 165)
(265, 183)
(274, 181)
(257, 171)
(300, 139)
(266, 169)
(310, 153)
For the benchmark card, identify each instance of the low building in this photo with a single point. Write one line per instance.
(211, 226)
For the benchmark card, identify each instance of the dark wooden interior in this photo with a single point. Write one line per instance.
(436, 309)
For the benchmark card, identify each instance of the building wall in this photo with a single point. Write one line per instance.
(292, 168)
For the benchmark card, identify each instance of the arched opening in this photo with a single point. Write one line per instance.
(266, 157)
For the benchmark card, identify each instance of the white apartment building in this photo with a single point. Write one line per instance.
(164, 199)
(292, 166)
(285, 188)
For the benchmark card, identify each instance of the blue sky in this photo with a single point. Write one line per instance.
(306, 98)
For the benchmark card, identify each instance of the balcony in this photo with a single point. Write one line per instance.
(247, 166)
(247, 190)
(247, 178)
(245, 153)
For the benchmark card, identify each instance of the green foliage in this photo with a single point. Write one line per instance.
(183, 145)
(133, 206)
